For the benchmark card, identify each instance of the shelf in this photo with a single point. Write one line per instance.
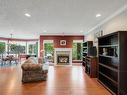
(88, 65)
(109, 78)
(85, 47)
(84, 57)
(109, 67)
(112, 63)
(116, 45)
(84, 61)
(106, 87)
(88, 59)
(84, 52)
(108, 56)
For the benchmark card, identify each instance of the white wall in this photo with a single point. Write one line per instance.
(117, 23)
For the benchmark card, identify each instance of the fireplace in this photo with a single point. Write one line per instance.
(62, 56)
(63, 59)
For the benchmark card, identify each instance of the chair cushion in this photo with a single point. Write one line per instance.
(34, 60)
(29, 64)
(32, 67)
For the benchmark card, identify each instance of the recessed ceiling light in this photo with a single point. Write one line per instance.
(44, 31)
(81, 31)
(98, 15)
(28, 15)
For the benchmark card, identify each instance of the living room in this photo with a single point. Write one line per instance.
(65, 47)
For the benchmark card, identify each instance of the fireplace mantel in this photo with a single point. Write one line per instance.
(58, 51)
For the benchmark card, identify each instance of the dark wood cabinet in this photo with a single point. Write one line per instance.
(86, 46)
(112, 66)
(91, 66)
(89, 61)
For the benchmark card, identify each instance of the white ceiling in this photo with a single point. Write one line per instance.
(57, 17)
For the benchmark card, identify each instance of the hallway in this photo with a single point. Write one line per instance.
(62, 80)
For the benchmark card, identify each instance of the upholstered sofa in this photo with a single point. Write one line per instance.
(32, 72)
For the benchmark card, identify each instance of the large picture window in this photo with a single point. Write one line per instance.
(49, 50)
(77, 51)
(2, 47)
(33, 48)
(17, 49)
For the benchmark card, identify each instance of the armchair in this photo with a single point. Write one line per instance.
(33, 72)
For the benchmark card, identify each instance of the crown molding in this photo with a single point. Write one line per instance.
(119, 11)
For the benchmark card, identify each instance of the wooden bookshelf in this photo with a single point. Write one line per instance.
(109, 67)
(85, 52)
(112, 66)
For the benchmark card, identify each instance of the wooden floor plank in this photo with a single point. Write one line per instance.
(62, 80)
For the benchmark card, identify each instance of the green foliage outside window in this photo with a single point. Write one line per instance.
(33, 48)
(48, 47)
(36, 48)
(77, 51)
(17, 49)
(74, 51)
(2, 47)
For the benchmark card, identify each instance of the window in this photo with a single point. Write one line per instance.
(77, 50)
(49, 50)
(17, 49)
(33, 48)
(2, 47)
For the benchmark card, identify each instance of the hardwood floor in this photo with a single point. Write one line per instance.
(61, 81)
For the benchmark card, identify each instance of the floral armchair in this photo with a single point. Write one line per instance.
(32, 72)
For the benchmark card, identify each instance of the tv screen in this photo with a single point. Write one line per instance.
(92, 51)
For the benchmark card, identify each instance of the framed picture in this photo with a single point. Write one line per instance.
(62, 42)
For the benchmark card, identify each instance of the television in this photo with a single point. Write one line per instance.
(92, 51)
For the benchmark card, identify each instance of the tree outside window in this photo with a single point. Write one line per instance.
(33, 48)
(48, 47)
(49, 51)
(2, 49)
(77, 51)
(17, 49)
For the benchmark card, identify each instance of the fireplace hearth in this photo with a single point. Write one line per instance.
(63, 59)
(63, 56)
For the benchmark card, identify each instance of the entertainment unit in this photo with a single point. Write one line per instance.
(90, 59)
(91, 66)
(86, 46)
(112, 66)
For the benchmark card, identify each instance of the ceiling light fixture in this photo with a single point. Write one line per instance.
(44, 31)
(27, 15)
(81, 31)
(98, 15)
